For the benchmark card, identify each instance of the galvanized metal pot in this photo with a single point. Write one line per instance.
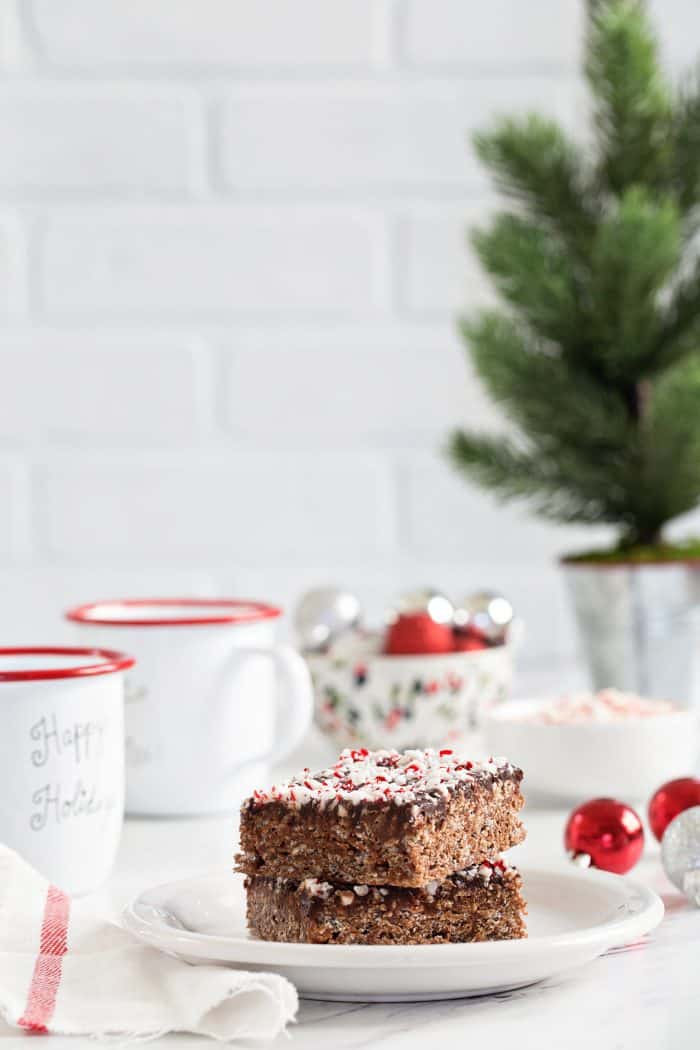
(638, 625)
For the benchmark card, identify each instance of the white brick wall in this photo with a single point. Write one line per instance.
(97, 140)
(209, 34)
(98, 390)
(385, 390)
(545, 33)
(232, 252)
(13, 268)
(246, 506)
(211, 262)
(437, 270)
(14, 501)
(398, 137)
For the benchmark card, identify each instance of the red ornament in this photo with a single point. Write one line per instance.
(469, 640)
(608, 832)
(671, 799)
(415, 634)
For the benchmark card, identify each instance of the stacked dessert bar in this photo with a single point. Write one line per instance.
(386, 848)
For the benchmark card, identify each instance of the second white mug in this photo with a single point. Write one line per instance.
(211, 702)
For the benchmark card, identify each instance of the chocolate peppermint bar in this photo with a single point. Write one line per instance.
(383, 818)
(482, 903)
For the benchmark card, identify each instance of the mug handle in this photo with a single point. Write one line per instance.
(294, 700)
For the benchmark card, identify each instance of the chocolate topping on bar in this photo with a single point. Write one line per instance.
(482, 873)
(381, 777)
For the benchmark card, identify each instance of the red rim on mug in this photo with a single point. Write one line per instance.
(172, 612)
(92, 662)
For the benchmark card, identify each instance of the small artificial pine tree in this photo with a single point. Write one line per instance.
(596, 359)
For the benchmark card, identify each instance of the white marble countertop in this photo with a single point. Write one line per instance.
(643, 998)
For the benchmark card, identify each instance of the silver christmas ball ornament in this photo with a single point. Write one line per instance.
(323, 615)
(486, 612)
(680, 853)
(422, 601)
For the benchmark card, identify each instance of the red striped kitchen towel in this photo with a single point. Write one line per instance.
(64, 970)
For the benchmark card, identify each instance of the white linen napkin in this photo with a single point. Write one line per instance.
(64, 970)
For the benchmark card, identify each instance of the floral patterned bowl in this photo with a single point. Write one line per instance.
(408, 701)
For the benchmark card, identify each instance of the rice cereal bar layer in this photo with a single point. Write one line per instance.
(383, 818)
(482, 903)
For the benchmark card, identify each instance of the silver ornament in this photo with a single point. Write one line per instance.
(486, 612)
(680, 853)
(357, 645)
(324, 614)
(422, 600)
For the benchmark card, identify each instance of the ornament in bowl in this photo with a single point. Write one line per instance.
(424, 679)
(323, 615)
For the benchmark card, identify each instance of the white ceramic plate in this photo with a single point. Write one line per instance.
(574, 916)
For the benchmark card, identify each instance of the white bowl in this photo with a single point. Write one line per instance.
(570, 763)
(408, 701)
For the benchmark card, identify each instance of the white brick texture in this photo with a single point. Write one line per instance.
(256, 260)
(400, 389)
(13, 268)
(95, 140)
(440, 511)
(438, 272)
(678, 22)
(504, 34)
(251, 34)
(354, 135)
(263, 508)
(106, 390)
(11, 43)
(233, 251)
(14, 514)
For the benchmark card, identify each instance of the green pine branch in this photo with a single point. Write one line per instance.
(678, 335)
(685, 157)
(635, 252)
(545, 482)
(531, 383)
(632, 99)
(533, 272)
(535, 164)
(596, 358)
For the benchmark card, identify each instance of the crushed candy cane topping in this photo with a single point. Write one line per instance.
(608, 705)
(401, 777)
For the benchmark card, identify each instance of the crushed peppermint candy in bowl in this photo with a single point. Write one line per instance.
(588, 745)
(607, 705)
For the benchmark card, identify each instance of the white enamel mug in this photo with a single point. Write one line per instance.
(211, 702)
(62, 760)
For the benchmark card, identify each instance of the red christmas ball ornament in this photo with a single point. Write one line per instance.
(606, 834)
(469, 641)
(420, 623)
(486, 614)
(417, 633)
(669, 800)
